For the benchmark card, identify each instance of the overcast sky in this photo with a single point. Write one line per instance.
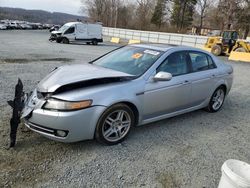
(66, 6)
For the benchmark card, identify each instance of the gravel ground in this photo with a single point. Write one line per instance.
(184, 151)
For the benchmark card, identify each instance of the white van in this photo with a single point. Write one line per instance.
(77, 31)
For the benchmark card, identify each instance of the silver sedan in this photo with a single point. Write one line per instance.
(130, 86)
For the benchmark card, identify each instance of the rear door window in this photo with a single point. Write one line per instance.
(201, 61)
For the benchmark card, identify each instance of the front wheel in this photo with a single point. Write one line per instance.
(216, 100)
(114, 124)
(65, 41)
(58, 40)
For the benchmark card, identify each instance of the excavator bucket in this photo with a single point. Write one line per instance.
(239, 56)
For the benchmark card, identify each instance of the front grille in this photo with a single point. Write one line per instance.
(40, 95)
(43, 95)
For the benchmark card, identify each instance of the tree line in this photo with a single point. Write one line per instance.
(37, 16)
(171, 15)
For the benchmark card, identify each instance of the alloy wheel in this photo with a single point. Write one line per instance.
(218, 99)
(116, 125)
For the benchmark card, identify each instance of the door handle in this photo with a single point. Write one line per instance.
(186, 82)
(213, 75)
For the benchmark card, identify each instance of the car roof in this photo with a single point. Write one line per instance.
(162, 47)
(72, 23)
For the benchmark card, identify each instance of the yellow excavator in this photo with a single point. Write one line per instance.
(229, 44)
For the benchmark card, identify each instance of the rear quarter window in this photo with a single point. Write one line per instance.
(211, 62)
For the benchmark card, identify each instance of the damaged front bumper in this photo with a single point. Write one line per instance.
(70, 126)
(53, 37)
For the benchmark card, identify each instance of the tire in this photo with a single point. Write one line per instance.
(240, 49)
(218, 98)
(216, 50)
(65, 41)
(95, 42)
(114, 124)
(88, 43)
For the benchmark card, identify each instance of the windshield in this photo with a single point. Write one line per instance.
(131, 60)
(63, 28)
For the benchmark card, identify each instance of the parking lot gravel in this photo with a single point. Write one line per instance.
(184, 151)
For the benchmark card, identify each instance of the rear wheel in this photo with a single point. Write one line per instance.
(240, 49)
(216, 50)
(88, 43)
(216, 100)
(65, 41)
(114, 124)
(94, 42)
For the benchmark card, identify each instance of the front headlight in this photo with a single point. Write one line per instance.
(54, 104)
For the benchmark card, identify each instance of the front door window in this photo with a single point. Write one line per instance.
(176, 64)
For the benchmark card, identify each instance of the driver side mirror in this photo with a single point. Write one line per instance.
(162, 76)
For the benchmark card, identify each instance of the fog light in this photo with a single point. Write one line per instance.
(61, 133)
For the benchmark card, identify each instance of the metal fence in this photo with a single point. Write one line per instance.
(156, 37)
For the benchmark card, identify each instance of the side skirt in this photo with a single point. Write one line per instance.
(169, 115)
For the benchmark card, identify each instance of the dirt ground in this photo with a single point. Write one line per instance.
(184, 151)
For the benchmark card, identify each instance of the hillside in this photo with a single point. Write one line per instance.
(37, 16)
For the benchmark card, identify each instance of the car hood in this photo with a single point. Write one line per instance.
(77, 74)
(56, 32)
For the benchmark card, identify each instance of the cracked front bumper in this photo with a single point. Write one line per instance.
(79, 125)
